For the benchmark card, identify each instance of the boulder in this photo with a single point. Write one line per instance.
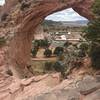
(88, 85)
(93, 96)
(68, 94)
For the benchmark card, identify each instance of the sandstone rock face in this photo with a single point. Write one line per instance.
(66, 90)
(26, 16)
(94, 96)
(16, 89)
(7, 6)
(18, 26)
(64, 94)
(87, 85)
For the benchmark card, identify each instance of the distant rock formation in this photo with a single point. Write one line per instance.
(40, 34)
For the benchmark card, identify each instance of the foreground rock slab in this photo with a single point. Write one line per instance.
(93, 96)
(68, 90)
(68, 94)
(88, 85)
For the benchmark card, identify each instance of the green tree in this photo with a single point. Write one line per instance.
(34, 52)
(58, 51)
(93, 35)
(48, 52)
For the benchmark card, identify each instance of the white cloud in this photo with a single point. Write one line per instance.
(65, 15)
(2, 2)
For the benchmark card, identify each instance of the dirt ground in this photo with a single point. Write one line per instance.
(41, 57)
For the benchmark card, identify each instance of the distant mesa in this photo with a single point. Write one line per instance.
(77, 23)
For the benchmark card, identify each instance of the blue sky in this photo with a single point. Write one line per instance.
(65, 15)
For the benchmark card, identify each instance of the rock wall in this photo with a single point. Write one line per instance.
(19, 19)
(29, 15)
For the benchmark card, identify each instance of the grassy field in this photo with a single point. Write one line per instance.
(38, 63)
(38, 66)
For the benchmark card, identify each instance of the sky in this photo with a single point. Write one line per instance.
(65, 15)
(2, 2)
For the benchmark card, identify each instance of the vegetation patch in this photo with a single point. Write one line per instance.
(2, 41)
(93, 35)
(34, 52)
(4, 17)
(24, 5)
(48, 52)
(58, 51)
(95, 57)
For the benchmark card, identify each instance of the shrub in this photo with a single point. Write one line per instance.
(93, 35)
(58, 51)
(36, 43)
(66, 44)
(44, 43)
(95, 56)
(9, 72)
(81, 53)
(34, 52)
(77, 64)
(48, 66)
(48, 52)
(4, 17)
(84, 47)
(59, 67)
(24, 5)
(2, 41)
(41, 43)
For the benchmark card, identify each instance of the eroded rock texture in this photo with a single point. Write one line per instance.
(18, 22)
(20, 19)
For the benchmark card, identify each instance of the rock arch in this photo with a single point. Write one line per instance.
(26, 21)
